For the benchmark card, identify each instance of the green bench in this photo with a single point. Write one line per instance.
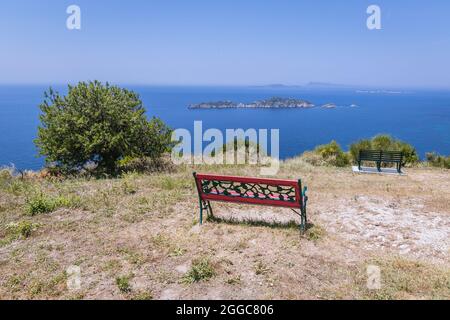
(380, 157)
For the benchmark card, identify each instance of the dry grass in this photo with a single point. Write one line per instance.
(137, 238)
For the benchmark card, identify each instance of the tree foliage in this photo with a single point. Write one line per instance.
(330, 154)
(333, 154)
(97, 124)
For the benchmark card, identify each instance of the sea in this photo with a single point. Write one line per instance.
(420, 117)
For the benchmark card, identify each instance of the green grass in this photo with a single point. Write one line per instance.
(17, 230)
(5, 178)
(254, 223)
(261, 268)
(234, 280)
(132, 256)
(15, 282)
(437, 160)
(178, 183)
(129, 183)
(406, 279)
(123, 283)
(41, 203)
(201, 270)
(143, 295)
(177, 252)
(315, 233)
(45, 287)
(22, 228)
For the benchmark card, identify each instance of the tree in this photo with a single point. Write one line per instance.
(100, 124)
(332, 154)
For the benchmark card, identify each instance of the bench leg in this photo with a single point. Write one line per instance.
(379, 166)
(201, 212)
(359, 165)
(205, 205)
(210, 211)
(304, 221)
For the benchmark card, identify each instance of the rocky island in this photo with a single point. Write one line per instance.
(272, 103)
(329, 106)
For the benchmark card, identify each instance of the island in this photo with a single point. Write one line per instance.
(329, 106)
(272, 103)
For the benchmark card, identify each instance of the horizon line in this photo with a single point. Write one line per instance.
(311, 84)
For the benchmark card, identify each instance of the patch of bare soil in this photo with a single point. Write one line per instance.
(401, 226)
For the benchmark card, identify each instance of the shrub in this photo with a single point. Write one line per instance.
(328, 150)
(327, 154)
(201, 269)
(245, 145)
(333, 154)
(385, 143)
(6, 177)
(25, 228)
(97, 124)
(313, 158)
(359, 145)
(243, 151)
(41, 203)
(436, 160)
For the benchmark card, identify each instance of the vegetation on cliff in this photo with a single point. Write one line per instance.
(332, 154)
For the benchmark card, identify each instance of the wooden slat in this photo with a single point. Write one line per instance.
(266, 202)
(271, 182)
(380, 156)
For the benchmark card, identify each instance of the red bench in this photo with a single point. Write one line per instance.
(256, 191)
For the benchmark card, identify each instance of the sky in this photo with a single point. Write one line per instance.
(227, 42)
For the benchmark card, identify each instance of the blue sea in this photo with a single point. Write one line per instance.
(420, 117)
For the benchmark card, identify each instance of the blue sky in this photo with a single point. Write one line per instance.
(232, 42)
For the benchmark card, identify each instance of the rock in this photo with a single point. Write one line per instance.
(182, 268)
(196, 229)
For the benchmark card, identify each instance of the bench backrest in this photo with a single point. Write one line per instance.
(370, 155)
(391, 156)
(380, 156)
(272, 192)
